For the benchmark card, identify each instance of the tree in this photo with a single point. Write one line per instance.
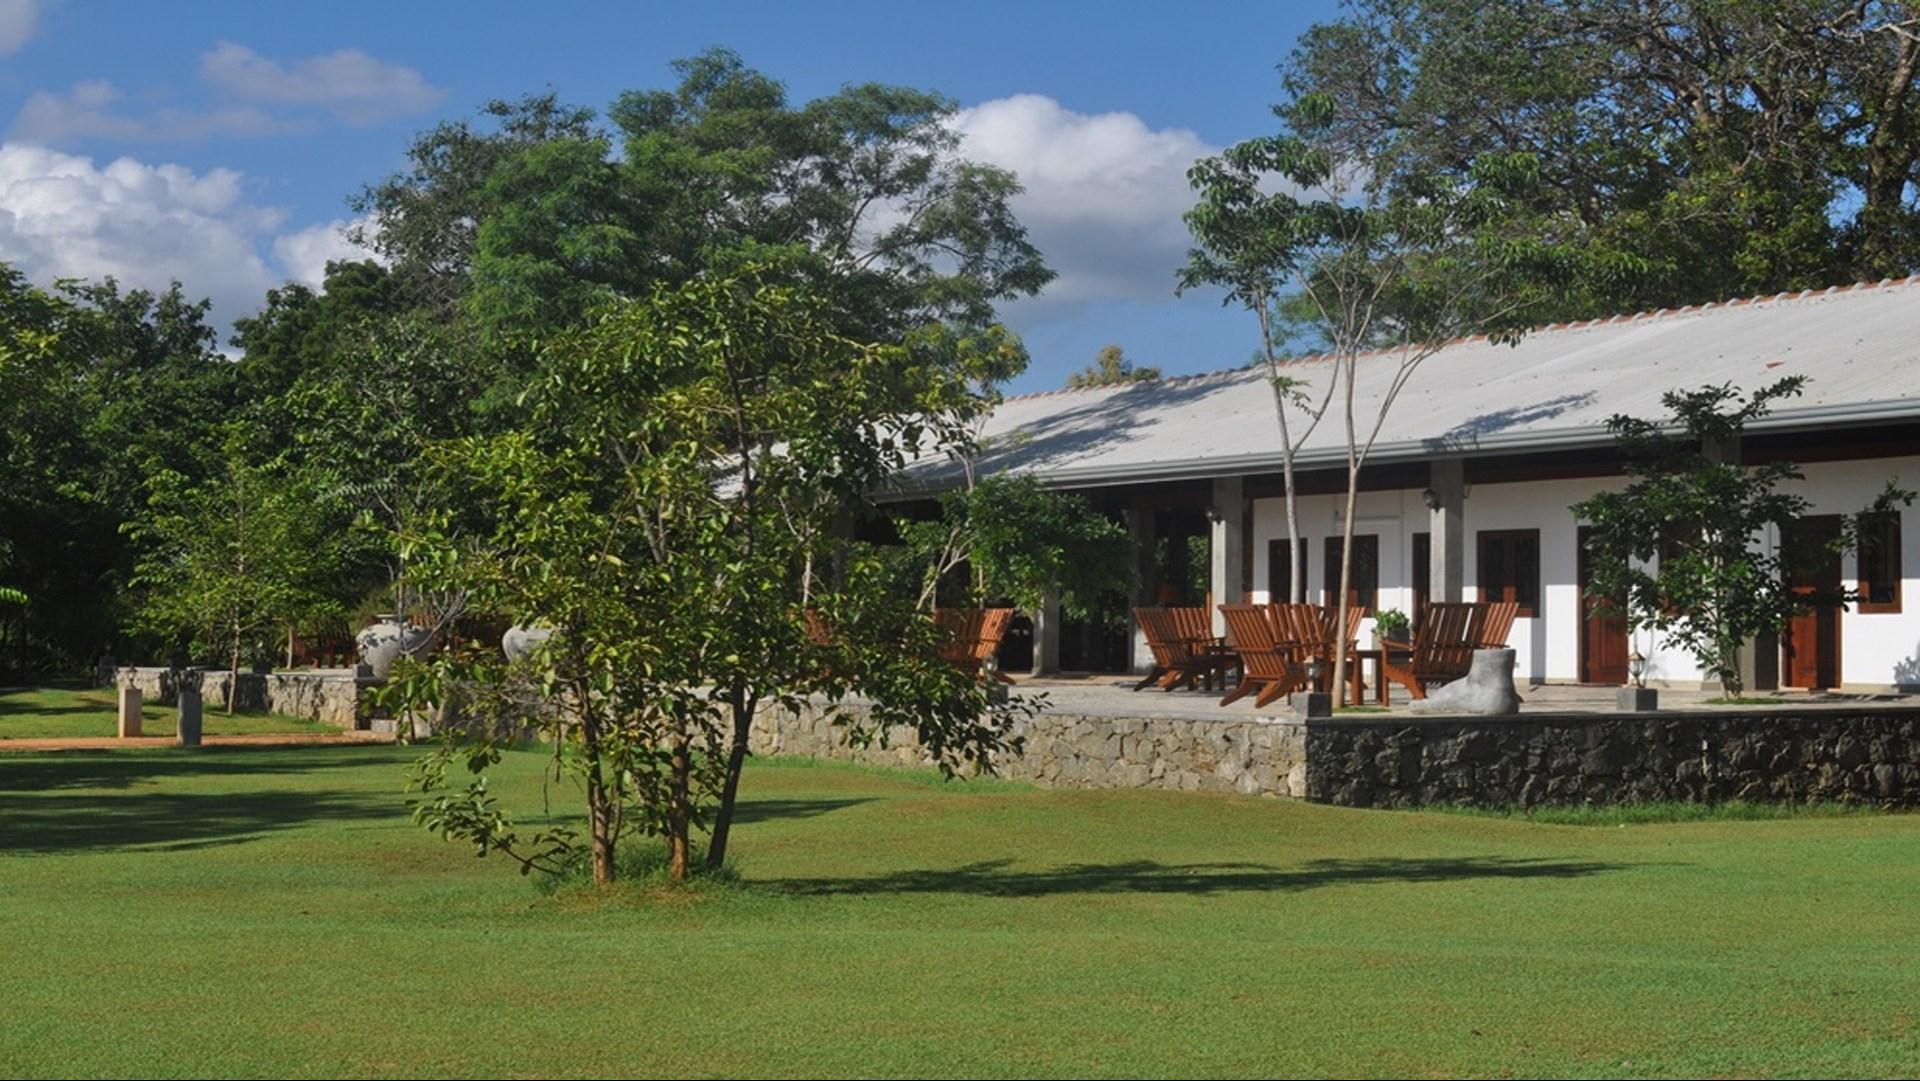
(861, 195)
(232, 559)
(1245, 236)
(362, 423)
(1396, 272)
(1111, 367)
(1733, 148)
(1024, 543)
(1683, 550)
(687, 457)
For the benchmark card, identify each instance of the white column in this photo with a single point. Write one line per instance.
(1226, 577)
(1447, 531)
(1046, 634)
(1140, 522)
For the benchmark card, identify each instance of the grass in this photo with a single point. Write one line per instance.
(1636, 814)
(60, 713)
(274, 912)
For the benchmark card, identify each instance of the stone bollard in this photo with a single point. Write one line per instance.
(188, 692)
(129, 711)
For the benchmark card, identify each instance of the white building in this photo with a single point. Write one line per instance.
(1468, 487)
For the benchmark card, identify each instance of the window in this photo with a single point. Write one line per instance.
(1510, 568)
(1365, 590)
(1280, 572)
(1880, 562)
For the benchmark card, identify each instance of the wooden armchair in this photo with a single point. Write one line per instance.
(1492, 623)
(1183, 646)
(1272, 659)
(972, 636)
(1442, 649)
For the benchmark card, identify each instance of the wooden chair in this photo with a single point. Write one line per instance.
(1442, 649)
(1493, 622)
(1271, 658)
(1183, 645)
(1314, 628)
(972, 636)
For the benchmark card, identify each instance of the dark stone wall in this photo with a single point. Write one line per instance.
(1854, 756)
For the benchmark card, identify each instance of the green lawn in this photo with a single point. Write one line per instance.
(273, 912)
(51, 713)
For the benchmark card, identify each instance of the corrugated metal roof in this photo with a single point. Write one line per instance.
(1859, 347)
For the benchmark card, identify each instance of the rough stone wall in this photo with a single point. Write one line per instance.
(1254, 755)
(1856, 756)
(335, 698)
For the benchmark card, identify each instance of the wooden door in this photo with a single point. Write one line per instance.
(1810, 653)
(1603, 636)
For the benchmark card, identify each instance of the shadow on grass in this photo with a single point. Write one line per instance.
(768, 810)
(53, 771)
(168, 822)
(997, 878)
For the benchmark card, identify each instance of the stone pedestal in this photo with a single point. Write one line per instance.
(130, 702)
(1637, 700)
(1314, 704)
(188, 734)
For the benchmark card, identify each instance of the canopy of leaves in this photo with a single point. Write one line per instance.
(1717, 147)
(1111, 367)
(862, 195)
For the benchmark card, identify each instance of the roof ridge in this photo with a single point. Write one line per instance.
(1785, 296)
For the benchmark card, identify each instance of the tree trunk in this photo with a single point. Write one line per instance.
(1340, 598)
(599, 809)
(730, 789)
(679, 814)
(233, 674)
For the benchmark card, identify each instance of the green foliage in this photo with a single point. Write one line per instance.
(232, 560)
(98, 388)
(1393, 623)
(1111, 368)
(861, 194)
(1680, 550)
(1702, 150)
(1021, 541)
(673, 511)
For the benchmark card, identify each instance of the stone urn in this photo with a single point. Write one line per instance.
(520, 641)
(386, 640)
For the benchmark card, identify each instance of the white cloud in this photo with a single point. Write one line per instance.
(1103, 198)
(305, 253)
(64, 216)
(353, 86)
(18, 21)
(91, 110)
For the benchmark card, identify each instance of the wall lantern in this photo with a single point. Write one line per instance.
(1637, 668)
(1431, 498)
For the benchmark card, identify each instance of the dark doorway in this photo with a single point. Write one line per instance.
(1603, 634)
(1810, 654)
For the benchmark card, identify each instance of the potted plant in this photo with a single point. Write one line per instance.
(1391, 625)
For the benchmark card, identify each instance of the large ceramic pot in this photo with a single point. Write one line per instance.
(519, 641)
(388, 639)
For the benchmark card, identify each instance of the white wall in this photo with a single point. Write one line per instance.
(1876, 649)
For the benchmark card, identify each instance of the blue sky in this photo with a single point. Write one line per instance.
(218, 142)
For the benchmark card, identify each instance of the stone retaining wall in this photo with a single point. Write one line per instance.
(1252, 755)
(330, 697)
(1845, 755)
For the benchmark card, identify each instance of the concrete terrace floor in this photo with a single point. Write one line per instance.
(1111, 695)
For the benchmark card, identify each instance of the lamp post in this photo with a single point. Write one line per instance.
(1637, 698)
